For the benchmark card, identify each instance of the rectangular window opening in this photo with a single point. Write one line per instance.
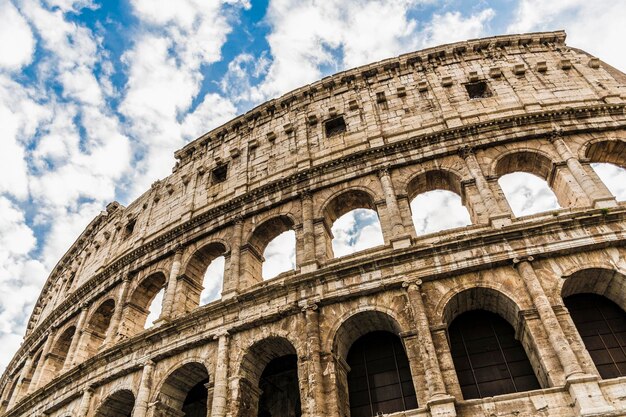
(335, 126)
(477, 90)
(219, 174)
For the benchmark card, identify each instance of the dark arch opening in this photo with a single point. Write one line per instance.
(280, 393)
(98, 326)
(488, 359)
(380, 379)
(118, 404)
(185, 391)
(602, 326)
(58, 354)
(203, 274)
(141, 303)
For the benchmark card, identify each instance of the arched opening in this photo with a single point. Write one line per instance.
(59, 351)
(436, 202)
(279, 255)
(352, 223)
(118, 404)
(269, 385)
(602, 326)
(202, 277)
(184, 392)
(379, 380)
(265, 233)
(379, 376)
(488, 359)
(144, 304)
(213, 280)
(97, 327)
(531, 185)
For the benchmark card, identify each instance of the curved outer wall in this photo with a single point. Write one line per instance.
(409, 127)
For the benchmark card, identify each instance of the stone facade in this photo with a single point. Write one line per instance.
(455, 117)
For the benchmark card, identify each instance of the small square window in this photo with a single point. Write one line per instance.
(130, 227)
(219, 174)
(335, 126)
(478, 90)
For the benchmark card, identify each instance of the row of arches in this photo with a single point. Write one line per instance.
(376, 369)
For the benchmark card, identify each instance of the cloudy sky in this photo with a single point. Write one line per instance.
(95, 97)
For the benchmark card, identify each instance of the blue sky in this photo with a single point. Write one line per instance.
(96, 96)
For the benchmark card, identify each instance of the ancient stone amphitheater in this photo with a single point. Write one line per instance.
(510, 316)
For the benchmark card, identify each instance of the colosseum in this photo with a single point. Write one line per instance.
(508, 316)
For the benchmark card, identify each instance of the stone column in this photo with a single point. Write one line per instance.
(439, 402)
(20, 381)
(584, 389)
(497, 216)
(600, 197)
(85, 402)
(170, 289)
(113, 329)
(315, 381)
(446, 363)
(231, 282)
(309, 263)
(399, 237)
(220, 385)
(143, 394)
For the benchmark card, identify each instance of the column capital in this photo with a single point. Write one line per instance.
(383, 171)
(556, 133)
(310, 307)
(220, 334)
(518, 260)
(306, 194)
(84, 306)
(179, 249)
(410, 284)
(465, 151)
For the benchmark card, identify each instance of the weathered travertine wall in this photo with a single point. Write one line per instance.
(410, 127)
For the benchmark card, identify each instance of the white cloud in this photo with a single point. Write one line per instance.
(16, 39)
(155, 309)
(614, 178)
(355, 231)
(308, 37)
(280, 255)
(595, 26)
(213, 280)
(527, 194)
(438, 210)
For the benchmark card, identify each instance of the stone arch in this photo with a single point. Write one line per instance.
(118, 404)
(607, 282)
(541, 165)
(610, 151)
(352, 329)
(98, 326)
(439, 180)
(256, 242)
(482, 298)
(58, 354)
(184, 391)
(255, 392)
(191, 279)
(343, 202)
(136, 309)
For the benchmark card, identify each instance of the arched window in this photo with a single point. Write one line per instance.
(488, 359)
(213, 280)
(353, 222)
(144, 305)
(355, 231)
(602, 325)
(527, 194)
(58, 354)
(436, 202)
(269, 380)
(379, 380)
(279, 255)
(155, 308)
(184, 392)
(202, 276)
(118, 404)
(97, 327)
(278, 232)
